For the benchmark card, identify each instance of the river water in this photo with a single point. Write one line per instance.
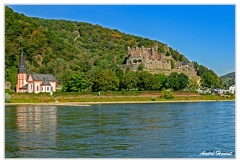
(163, 130)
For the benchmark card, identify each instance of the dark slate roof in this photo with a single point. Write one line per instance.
(184, 63)
(45, 82)
(22, 68)
(40, 77)
(24, 87)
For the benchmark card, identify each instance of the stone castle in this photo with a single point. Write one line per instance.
(153, 60)
(149, 57)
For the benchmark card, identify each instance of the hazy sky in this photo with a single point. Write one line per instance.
(203, 33)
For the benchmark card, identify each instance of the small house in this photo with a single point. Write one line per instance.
(232, 89)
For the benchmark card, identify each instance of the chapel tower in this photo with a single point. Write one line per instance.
(22, 76)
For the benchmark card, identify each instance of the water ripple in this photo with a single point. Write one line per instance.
(172, 130)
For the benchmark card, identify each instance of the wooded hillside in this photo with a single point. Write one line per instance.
(64, 47)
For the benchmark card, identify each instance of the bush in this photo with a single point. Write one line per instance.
(8, 98)
(167, 95)
(141, 67)
(153, 99)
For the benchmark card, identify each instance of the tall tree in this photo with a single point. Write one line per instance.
(183, 80)
(177, 81)
(76, 83)
(172, 81)
(120, 74)
(130, 81)
(162, 78)
(106, 81)
(210, 80)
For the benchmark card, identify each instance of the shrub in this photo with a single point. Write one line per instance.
(167, 95)
(153, 99)
(135, 60)
(7, 98)
(141, 67)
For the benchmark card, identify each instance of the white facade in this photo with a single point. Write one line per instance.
(30, 88)
(232, 89)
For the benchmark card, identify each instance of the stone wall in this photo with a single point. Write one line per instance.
(155, 62)
(149, 57)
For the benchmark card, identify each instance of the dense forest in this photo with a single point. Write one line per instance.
(68, 48)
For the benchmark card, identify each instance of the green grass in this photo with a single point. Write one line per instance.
(31, 98)
(131, 96)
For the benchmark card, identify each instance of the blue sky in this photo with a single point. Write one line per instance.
(203, 33)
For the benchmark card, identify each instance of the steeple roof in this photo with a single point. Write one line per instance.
(22, 68)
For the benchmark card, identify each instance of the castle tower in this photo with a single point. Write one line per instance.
(22, 76)
(155, 52)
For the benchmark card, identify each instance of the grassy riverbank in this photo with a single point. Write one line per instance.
(113, 97)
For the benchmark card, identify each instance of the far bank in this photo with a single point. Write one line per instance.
(114, 97)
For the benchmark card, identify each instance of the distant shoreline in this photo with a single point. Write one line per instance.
(124, 102)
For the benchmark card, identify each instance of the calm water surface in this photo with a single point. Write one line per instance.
(165, 130)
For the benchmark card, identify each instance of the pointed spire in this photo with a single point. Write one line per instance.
(22, 68)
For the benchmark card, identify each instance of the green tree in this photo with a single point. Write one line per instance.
(130, 81)
(11, 76)
(207, 80)
(183, 80)
(210, 80)
(120, 74)
(146, 80)
(106, 81)
(8, 98)
(76, 83)
(173, 82)
(135, 60)
(91, 75)
(141, 67)
(193, 85)
(177, 81)
(127, 70)
(161, 78)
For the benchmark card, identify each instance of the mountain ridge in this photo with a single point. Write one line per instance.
(228, 79)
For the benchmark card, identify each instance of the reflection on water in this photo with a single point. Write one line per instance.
(36, 129)
(125, 130)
